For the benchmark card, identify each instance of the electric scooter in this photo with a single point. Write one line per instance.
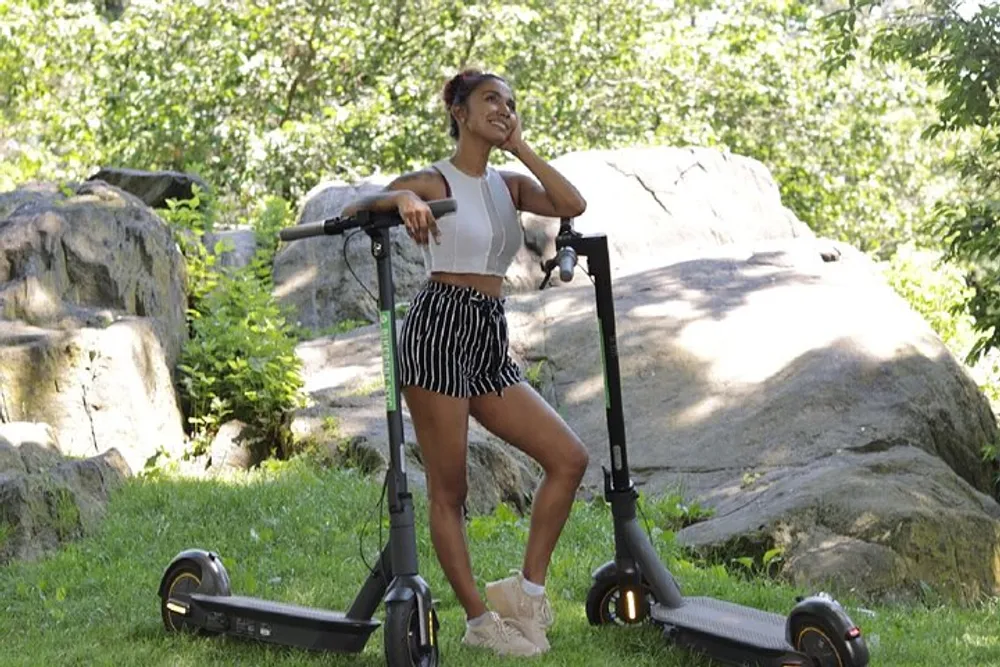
(195, 592)
(636, 586)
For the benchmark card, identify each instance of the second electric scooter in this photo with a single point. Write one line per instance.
(637, 586)
(194, 590)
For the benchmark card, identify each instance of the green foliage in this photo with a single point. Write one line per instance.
(273, 215)
(936, 290)
(268, 98)
(190, 220)
(957, 47)
(766, 567)
(843, 148)
(240, 361)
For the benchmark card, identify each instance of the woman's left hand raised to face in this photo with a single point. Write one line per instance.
(514, 141)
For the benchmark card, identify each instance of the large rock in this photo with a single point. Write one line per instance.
(768, 374)
(153, 188)
(85, 259)
(880, 521)
(661, 202)
(98, 388)
(346, 418)
(800, 398)
(323, 282)
(92, 320)
(657, 201)
(45, 499)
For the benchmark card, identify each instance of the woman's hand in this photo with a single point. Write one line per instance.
(420, 222)
(514, 142)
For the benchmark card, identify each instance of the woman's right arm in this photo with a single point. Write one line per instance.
(406, 194)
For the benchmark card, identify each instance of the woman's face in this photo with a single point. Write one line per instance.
(490, 112)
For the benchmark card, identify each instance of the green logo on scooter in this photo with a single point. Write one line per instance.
(604, 366)
(388, 361)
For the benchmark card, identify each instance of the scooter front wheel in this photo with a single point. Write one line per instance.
(609, 604)
(402, 635)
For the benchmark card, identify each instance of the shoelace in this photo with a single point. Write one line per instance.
(504, 632)
(544, 612)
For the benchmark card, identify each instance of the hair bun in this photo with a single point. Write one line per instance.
(460, 80)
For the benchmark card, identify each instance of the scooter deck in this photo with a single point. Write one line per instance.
(750, 627)
(279, 612)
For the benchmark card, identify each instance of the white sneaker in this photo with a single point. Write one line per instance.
(495, 634)
(531, 614)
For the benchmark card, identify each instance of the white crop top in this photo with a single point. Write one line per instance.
(484, 234)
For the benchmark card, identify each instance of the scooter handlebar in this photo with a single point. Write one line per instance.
(333, 226)
(302, 231)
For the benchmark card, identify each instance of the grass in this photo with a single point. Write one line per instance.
(291, 533)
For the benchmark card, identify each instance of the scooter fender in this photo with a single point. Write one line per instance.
(214, 578)
(609, 569)
(400, 594)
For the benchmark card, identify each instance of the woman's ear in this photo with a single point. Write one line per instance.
(458, 112)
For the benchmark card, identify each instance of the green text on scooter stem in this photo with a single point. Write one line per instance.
(388, 354)
(604, 365)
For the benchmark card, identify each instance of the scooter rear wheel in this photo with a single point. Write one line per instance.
(816, 638)
(402, 636)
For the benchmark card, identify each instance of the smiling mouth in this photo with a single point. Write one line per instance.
(498, 124)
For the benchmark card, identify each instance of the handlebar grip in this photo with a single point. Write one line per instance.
(302, 231)
(441, 207)
(567, 263)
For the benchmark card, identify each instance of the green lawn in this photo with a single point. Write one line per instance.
(291, 534)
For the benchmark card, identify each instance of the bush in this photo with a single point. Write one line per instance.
(240, 362)
(937, 289)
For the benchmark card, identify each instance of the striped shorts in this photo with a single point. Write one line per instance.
(454, 342)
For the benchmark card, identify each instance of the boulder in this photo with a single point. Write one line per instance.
(92, 320)
(768, 374)
(85, 259)
(45, 498)
(801, 399)
(98, 388)
(233, 448)
(235, 248)
(153, 188)
(657, 200)
(324, 279)
(662, 202)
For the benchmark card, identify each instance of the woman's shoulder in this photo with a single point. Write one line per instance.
(427, 183)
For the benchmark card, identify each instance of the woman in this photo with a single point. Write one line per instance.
(453, 351)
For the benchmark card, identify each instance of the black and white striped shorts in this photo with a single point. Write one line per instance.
(454, 341)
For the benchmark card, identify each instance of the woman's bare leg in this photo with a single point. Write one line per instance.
(442, 426)
(522, 418)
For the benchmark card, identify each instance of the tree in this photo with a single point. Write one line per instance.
(957, 45)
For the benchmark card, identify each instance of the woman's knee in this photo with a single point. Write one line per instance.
(572, 462)
(449, 492)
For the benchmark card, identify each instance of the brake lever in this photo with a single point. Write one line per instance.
(548, 266)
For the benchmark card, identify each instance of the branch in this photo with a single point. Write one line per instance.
(305, 66)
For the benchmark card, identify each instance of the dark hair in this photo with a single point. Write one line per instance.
(458, 89)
